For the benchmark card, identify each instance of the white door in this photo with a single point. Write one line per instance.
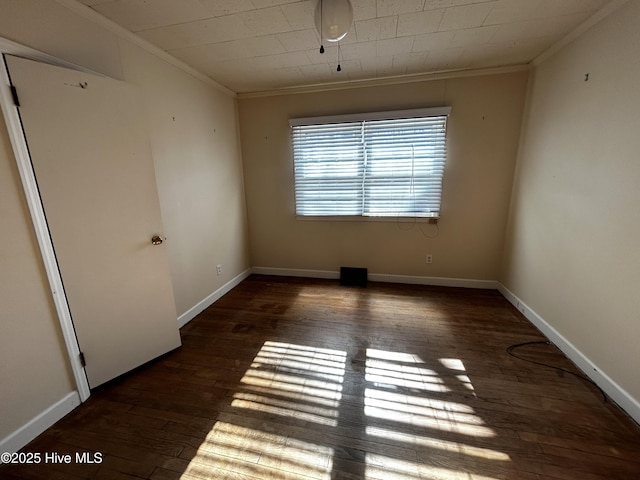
(92, 161)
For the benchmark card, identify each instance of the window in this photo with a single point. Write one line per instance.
(387, 164)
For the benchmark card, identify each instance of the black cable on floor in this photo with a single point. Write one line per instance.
(578, 375)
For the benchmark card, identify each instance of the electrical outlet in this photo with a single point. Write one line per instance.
(429, 258)
(219, 269)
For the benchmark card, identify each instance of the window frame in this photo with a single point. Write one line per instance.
(363, 117)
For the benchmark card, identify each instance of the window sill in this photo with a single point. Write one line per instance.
(359, 218)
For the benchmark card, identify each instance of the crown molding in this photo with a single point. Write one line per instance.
(377, 82)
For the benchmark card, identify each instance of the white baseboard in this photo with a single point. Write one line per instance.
(25, 434)
(618, 394)
(434, 281)
(295, 272)
(190, 314)
(380, 277)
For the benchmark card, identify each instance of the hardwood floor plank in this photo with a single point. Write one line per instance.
(626, 452)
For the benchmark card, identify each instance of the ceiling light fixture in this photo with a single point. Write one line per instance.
(333, 20)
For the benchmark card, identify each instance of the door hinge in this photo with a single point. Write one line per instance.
(14, 94)
(82, 360)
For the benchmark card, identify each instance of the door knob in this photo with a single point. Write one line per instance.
(157, 240)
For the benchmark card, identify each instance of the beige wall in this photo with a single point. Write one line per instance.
(196, 151)
(194, 137)
(483, 132)
(573, 242)
(34, 370)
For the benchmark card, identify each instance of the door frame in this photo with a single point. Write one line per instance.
(34, 202)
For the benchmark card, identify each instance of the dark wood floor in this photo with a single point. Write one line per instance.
(288, 379)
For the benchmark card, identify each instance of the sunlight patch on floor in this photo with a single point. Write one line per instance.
(404, 402)
(456, 365)
(295, 409)
(437, 444)
(294, 381)
(397, 381)
(406, 398)
(393, 356)
(380, 405)
(232, 451)
(390, 375)
(298, 382)
(381, 467)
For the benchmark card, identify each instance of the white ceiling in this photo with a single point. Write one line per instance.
(259, 45)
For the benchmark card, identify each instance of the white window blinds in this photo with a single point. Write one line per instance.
(384, 164)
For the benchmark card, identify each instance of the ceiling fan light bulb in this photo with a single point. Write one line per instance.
(333, 19)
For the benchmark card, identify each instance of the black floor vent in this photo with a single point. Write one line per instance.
(353, 277)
